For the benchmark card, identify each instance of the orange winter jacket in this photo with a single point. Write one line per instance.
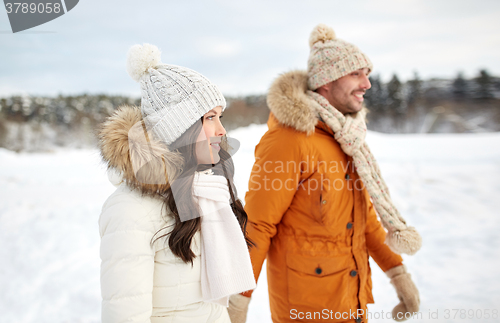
(310, 216)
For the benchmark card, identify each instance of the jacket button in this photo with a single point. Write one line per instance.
(353, 273)
(347, 176)
(349, 225)
(324, 201)
(319, 271)
(358, 320)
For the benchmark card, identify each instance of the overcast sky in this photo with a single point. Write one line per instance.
(243, 45)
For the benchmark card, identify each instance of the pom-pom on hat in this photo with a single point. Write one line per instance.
(173, 98)
(331, 58)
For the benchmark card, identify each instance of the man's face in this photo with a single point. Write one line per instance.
(346, 93)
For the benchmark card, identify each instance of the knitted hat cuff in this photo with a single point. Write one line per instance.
(340, 68)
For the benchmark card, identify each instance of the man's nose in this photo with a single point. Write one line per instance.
(366, 82)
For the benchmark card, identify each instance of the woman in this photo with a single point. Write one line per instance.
(173, 237)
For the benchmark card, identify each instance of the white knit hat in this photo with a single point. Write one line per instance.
(173, 98)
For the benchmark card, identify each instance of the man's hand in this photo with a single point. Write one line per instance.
(238, 308)
(407, 293)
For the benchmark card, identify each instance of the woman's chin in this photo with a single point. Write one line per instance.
(214, 159)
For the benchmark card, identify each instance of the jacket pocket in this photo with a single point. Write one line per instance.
(317, 283)
(314, 189)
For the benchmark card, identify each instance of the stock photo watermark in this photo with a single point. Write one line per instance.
(438, 314)
(262, 179)
(24, 15)
(153, 162)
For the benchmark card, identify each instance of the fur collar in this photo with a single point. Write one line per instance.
(144, 163)
(289, 103)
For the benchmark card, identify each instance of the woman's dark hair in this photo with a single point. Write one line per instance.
(180, 237)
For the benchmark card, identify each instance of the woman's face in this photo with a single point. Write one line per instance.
(207, 144)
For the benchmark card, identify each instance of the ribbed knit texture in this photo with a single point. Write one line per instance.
(173, 98)
(226, 268)
(350, 132)
(330, 59)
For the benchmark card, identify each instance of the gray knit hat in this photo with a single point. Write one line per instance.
(331, 58)
(173, 98)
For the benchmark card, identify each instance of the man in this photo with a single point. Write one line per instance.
(309, 208)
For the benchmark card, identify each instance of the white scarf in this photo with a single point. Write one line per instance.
(226, 268)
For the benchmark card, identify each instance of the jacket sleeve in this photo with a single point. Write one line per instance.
(127, 262)
(375, 240)
(272, 185)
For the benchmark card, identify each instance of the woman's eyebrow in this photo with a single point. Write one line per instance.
(213, 111)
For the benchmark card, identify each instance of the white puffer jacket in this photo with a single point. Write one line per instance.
(143, 281)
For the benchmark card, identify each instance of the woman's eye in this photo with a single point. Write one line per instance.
(210, 117)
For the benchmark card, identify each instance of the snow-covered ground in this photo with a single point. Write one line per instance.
(447, 186)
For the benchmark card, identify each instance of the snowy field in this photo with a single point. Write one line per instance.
(447, 186)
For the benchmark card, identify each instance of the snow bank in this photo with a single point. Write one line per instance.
(445, 185)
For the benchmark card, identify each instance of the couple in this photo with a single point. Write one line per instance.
(175, 244)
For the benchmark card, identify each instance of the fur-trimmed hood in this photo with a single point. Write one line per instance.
(288, 101)
(127, 148)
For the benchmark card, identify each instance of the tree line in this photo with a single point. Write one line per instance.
(38, 122)
(402, 107)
